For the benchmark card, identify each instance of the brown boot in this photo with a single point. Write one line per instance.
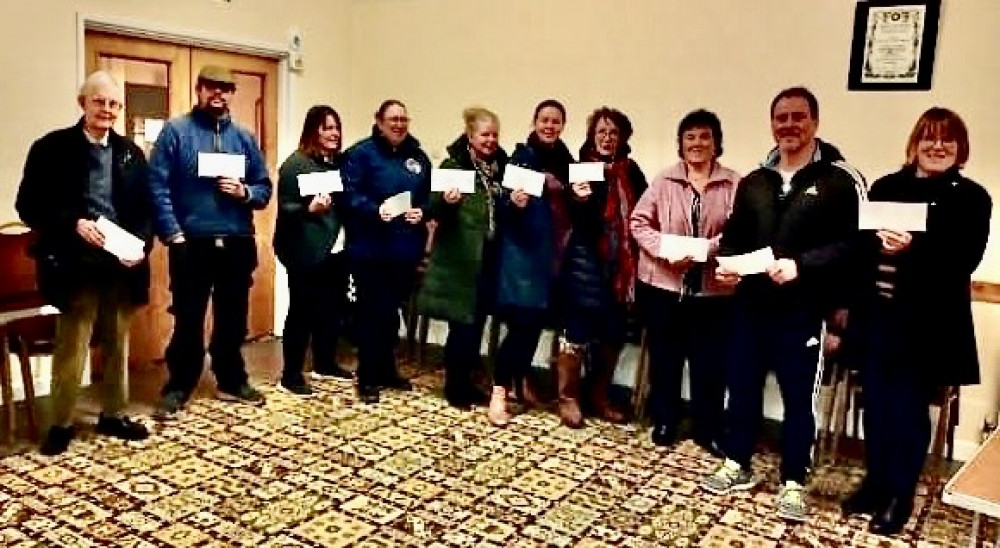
(568, 382)
(603, 373)
(527, 393)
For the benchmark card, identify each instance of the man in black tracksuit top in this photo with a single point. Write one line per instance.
(803, 204)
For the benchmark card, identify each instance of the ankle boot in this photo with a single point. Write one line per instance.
(604, 372)
(568, 383)
(497, 412)
(526, 392)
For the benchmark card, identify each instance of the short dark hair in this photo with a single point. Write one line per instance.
(380, 113)
(616, 117)
(315, 118)
(700, 118)
(550, 103)
(939, 123)
(797, 91)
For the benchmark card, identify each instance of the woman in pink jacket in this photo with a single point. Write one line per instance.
(677, 223)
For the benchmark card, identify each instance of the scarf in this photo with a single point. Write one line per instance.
(617, 248)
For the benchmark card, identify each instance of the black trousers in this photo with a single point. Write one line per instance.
(524, 329)
(382, 286)
(316, 297)
(200, 269)
(766, 336)
(695, 330)
(463, 347)
(896, 404)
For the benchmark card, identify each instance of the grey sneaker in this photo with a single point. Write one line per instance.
(244, 394)
(792, 502)
(729, 476)
(170, 406)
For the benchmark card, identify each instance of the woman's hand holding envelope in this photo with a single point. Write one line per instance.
(894, 241)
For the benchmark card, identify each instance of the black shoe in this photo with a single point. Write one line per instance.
(121, 427)
(663, 435)
(893, 517)
(863, 501)
(298, 389)
(335, 372)
(711, 446)
(244, 394)
(476, 396)
(368, 394)
(398, 383)
(464, 396)
(57, 440)
(170, 406)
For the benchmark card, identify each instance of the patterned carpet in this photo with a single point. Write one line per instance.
(410, 472)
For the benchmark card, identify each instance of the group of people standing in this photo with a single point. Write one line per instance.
(580, 258)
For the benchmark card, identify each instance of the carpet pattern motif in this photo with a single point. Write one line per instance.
(411, 471)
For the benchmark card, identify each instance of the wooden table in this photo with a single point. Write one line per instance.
(976, 486)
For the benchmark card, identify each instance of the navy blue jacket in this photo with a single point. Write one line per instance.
(372, 172)
(194, 205)
(528, 243)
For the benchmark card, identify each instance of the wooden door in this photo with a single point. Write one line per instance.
(158, 83)
(254, 106)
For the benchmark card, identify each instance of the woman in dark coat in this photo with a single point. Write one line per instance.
(912, 321)
(597, 280)
(309, 242)
(384, 246)
(531, 249)
(460, 285)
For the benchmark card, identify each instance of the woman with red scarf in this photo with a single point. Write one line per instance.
(597, 279)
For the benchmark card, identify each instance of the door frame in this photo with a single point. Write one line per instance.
(188, 37)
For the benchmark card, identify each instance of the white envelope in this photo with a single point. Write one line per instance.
(320, 182)
(443, 180)
(519, 178)
(215, 164)
(120, 242)
(755, 262)
(398, 204)
(900, 216)
(585, 172)
(674, 248)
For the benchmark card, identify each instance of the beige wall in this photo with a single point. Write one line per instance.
(655, 59)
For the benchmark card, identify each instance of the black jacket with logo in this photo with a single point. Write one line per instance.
(814, 224)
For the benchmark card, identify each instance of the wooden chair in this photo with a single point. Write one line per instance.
(19, 296)
(418, 326)
(943, 441)
(641, 391)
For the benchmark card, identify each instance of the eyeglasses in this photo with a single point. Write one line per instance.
(945, 142)
(104, 102)
(397, 120)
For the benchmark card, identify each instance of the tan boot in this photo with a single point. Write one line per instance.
(497, 412)
(604, 374)
(568, 382)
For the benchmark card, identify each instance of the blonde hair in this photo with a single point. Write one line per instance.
(99, 81)
(472, 115)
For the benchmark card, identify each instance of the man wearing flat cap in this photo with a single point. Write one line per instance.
(207, 176)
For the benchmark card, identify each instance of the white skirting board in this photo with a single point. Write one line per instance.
(41, 372)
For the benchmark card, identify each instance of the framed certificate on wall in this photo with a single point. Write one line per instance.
(894, 45)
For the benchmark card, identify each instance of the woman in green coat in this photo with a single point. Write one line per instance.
(460, 285)
(309, 242)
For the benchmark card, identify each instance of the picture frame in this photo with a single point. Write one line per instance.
(894, 45)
